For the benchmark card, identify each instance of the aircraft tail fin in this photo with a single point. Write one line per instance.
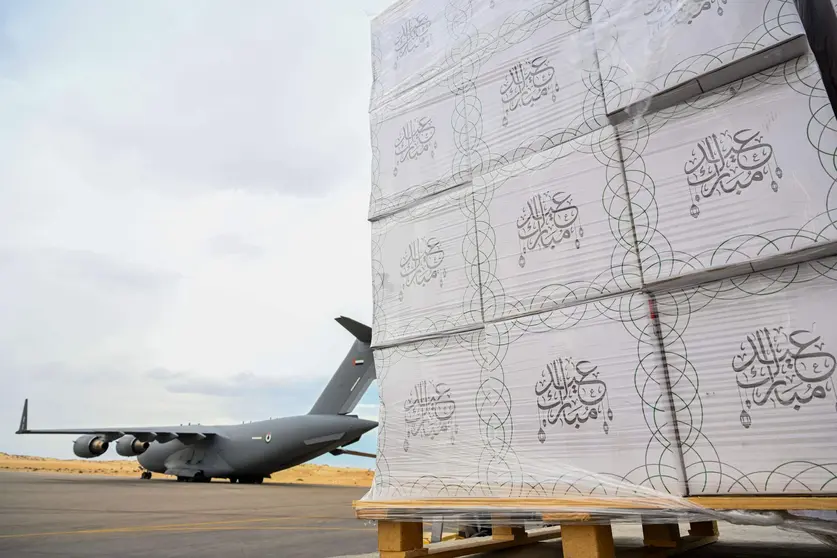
(354, 375)
(24, 419)
(362, 333)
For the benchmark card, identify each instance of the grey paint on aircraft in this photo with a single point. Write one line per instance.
(246, 452)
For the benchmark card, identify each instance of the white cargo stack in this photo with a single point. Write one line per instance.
(741, 175)
(666, 51)
(751, 360)
(520, 241)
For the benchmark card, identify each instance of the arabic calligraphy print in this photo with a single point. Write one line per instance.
(414, 140)
(428, 412)
(548, 220)
(570, 392)
(723, 164)
(787, 370)
(668, 12)
(422, 263)
(526, 82)
(414, 33)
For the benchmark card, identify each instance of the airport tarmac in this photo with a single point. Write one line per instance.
(78, 516)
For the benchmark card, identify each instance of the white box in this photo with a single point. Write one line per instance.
(425, 270)
(492, 413)
(554, 229)
(744, 175)
(514, 79)
(429, 439)
(665, 51)
(751, 361)
(587, 408)
(419, 147)
(533, 89)
(415, 40)
(493, 21)
(411, 41)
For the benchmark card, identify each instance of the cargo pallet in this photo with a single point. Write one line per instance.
(582, 535)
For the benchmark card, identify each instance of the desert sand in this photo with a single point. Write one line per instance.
(308, 473)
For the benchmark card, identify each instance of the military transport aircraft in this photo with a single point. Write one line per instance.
(246, 453)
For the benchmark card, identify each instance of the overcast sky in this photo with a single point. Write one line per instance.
(183, 193)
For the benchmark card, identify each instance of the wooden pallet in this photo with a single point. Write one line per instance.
(582, 535)
(404, 539)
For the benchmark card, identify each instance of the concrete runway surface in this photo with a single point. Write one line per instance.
(77, 516)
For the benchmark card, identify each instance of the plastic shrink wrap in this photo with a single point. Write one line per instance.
(491, 413)
(419, 146)
(554, 229)
(654, 53)
(425, 270)
(751, 363)
(603, 245)
(741, 174)
(513, 79)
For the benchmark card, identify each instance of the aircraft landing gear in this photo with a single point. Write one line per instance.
(197, 478)
(200, 477)
(145, 475)
(248, 480)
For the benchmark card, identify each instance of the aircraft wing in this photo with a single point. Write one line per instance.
(186, 434)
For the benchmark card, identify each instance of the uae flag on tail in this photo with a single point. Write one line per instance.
(358, 361)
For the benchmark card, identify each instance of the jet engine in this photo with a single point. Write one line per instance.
(129, 446)
(90, 446)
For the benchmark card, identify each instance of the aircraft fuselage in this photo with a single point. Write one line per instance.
(257, 449)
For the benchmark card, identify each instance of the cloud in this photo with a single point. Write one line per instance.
(241, 384)
(267, 97)
(183, 193)
(164, 374)
(367, 411)
(232, 245)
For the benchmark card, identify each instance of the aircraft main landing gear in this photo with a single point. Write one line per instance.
(145, 475)
(246, 480)
(200, 477)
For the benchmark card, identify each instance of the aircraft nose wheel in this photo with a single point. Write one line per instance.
(146, 475)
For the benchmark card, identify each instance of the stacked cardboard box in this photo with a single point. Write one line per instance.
(580, 213)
